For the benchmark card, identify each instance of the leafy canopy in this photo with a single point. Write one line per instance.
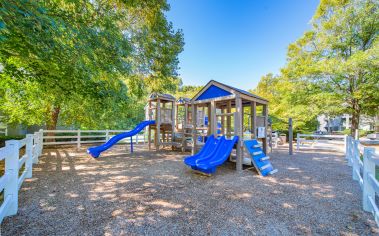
(83, 62)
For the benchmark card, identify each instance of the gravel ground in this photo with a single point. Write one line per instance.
(150, 193)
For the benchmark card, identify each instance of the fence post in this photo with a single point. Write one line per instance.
(29, 155)
(368, 169)
(11, 169)
(36, 135)
(78, 140)
(351, 151)
(290, 136)
(40, 142)
(298, 141)
(345, 143)
(106, 135)
(355, 159)
(347, 147)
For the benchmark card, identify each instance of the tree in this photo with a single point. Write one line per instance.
(340, 57)
(289, 98)
(74, 59)
(188, 91)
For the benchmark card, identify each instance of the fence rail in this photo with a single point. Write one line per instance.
(12, 179)
(301, 139)
(79, 137)
(364, 161)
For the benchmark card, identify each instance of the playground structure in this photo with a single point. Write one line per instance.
(219, 111)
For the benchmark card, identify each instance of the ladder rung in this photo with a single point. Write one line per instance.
(257, 153)
(273, 171)
(257, 145)
(264, 158)
(265, 167)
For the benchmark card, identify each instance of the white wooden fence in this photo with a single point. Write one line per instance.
(364, 161)
(78, 137)
(11, 181)
(321, 141)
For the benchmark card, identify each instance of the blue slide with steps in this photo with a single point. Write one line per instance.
(214, 153)
(96, 151)
(258, 158)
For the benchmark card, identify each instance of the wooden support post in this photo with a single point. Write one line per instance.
(209, 114)
(184, 127)
(238, 132)
(106, 135)
(194, 121)
(265, 115)
(290, 136)
(229, 119)
(213, 119)
(254, 119)
(223, 122)
(158, 122)
(149, 128)
(78, 140)
(172, 121)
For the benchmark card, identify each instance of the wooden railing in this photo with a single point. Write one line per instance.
(11, 181)
(79, 137)
(364, 161)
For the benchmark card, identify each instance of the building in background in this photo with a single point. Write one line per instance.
(339, 123)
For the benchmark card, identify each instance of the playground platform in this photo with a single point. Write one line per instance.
(154, 193)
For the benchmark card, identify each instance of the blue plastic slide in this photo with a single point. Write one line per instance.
(259, 159)
(208, 148)
(96, 151)
(212, 155)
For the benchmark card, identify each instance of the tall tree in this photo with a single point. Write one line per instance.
(63, 57)
(340, 56)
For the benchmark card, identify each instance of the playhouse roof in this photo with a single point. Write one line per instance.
(183, 100)
(163, 96)
(214, 89)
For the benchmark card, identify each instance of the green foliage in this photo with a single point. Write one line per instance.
(187, 91)
(72, 61)
(289, 99)
(333, 68)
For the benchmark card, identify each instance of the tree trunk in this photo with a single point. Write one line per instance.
(355, 117)
(53, 121)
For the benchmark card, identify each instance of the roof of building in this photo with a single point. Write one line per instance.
(183, 100)
(162, 96)
(215, 89)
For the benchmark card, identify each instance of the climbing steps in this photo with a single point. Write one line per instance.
(258, 158)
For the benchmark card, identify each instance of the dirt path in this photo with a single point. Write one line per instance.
(151, 193)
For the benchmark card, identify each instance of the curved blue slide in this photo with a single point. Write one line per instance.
(212, 156)
(208, 148)
(96, 151)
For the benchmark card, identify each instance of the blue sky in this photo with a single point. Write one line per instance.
(237, 42)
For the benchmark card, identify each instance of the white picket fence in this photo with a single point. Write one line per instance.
(11, 181)
(364, 161)
(79, 137)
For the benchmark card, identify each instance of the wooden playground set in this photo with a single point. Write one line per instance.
(231, 116)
